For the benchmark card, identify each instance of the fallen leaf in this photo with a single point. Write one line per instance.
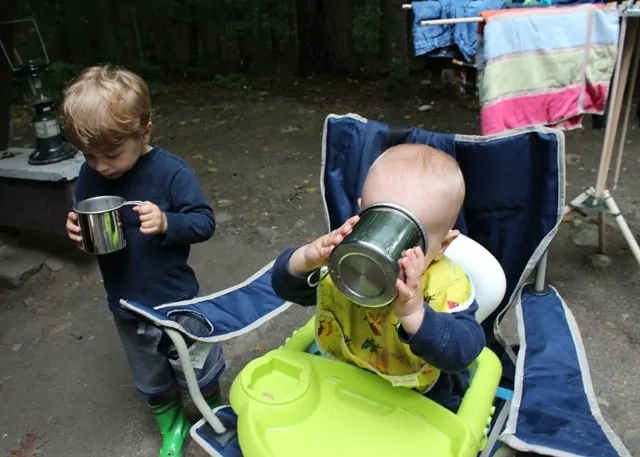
(261, 348)
(312, 189)
(289, 129)
(28, 446)
(195, 121)
(183, 122)
(568, 218)
(197, 156)
(212, 169)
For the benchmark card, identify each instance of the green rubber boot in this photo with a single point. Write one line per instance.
(173, 427)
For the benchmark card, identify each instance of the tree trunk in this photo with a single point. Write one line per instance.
(105, 30)
(397, 46)
(7, 13)
(311, 47)
(339, 27)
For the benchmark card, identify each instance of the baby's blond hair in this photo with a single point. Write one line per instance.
(104, 106)
(425, 180)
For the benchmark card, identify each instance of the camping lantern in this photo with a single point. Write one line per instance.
(51, 146)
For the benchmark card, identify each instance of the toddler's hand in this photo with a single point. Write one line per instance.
(315, 254)
(73, 229)
(410, 299)
(152, 220)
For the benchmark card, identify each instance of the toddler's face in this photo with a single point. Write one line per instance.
(113, 164)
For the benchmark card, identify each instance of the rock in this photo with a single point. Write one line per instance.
(76, 334)
(53, 264)
(266, 234)
(223, 217)
(17, 264)
(586, 235)
(29, 302)
(572, 159)
(424, 108)
(600, 261)
(16, 347)
(65, 326)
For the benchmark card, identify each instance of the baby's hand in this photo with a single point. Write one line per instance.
(152, 220)
(410, 299)
(315, 254)
(73, 229)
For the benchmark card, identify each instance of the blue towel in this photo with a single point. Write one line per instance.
(426, 39)
(464, 36)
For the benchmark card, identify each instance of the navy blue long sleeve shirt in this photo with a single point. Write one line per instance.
(447, 341)
(153, 269)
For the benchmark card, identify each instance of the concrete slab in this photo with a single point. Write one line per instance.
(17, 264)
(17, 167)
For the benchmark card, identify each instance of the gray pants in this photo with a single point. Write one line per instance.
(153, 373)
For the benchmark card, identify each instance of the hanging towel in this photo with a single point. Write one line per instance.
(544, 66)
(465, 36)
(429, 38)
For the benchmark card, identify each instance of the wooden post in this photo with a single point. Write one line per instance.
(7, 13)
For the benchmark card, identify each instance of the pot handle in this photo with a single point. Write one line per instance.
(132, 203)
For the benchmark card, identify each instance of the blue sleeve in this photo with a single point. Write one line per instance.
(447, 341)
(191, 218)
(289, 287)
(81, 191)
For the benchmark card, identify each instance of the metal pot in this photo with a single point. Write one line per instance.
(100, 224)
(364, 267)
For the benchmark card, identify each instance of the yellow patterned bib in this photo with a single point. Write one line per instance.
(368, 337)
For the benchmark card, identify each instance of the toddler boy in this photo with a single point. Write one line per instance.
(107, 117)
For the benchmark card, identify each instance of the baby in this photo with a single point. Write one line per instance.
(428, 336)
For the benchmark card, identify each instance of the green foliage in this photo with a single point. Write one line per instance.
(60, 74)
(174, 40)
(366, 28)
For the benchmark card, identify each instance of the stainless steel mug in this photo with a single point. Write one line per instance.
(99, 219)
(364, 267)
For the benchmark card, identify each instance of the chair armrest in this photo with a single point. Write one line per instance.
(477, 407)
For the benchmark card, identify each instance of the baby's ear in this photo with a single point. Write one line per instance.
(448, 239)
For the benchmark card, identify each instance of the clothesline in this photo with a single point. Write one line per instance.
(630, 11)
(461, 20)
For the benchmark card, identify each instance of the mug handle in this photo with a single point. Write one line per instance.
(132, 203)
(316, 276)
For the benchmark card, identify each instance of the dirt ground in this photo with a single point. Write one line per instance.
(65, 388)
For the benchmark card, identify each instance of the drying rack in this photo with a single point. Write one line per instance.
(599, 198)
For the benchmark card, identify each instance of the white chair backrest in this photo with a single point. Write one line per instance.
(486, 274)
